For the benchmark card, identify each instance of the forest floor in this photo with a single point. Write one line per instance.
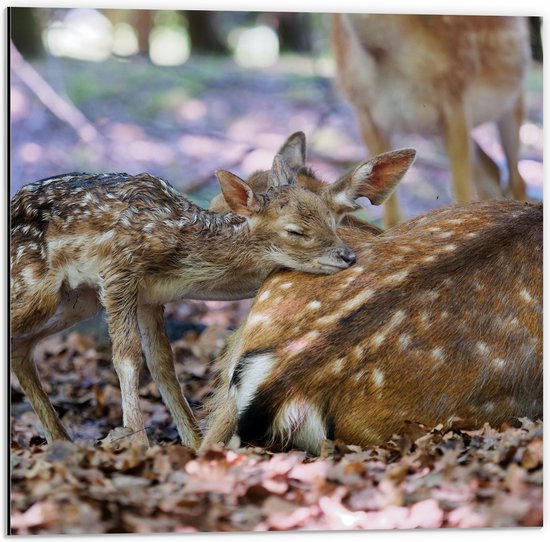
(181, 124)
(422, 477)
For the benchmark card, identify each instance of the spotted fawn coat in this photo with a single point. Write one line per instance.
(132, 243)
(440, 319)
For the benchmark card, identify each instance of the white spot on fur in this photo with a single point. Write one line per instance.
(257, 319)
(404, 341)
(471, 235)
(314, 305)
(396, 278)
(360, 375)
(445, 234)
(286, 285)
(425, 318)
(449, 248)
(455, 221)
(396, 319)
(105, 236)
(432, 295)
(482, 348)
(429, 258)
(357, 269)
(358, 300)
(337, 365)
(28, 275)
(526, 296)
(378, 339)
(438, 354)
(264, 295)
(257, 369)
(434, 228)
(378, 378)
(299, 345)
(489, 406)
(20, 252)
(499, 363)
(329, 319)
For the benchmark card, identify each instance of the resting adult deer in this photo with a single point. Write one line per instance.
(133, 243)
(437, 75)
(441, 318)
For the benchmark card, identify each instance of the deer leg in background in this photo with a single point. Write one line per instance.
(120, 302)
(160, 360)
(378, 142)
(508, 127)
(486, 174)
(459, 149)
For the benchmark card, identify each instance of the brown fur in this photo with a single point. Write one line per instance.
(437, 74)
(440, 319)
(133, 243)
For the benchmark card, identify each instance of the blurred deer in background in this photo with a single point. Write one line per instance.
(133, 243)
(440, 319)
(437, 74)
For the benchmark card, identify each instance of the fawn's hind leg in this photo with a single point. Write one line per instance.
(160, 360)
(64, 308)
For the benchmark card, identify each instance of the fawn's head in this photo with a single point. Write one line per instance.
(374, 179)
(293, 226)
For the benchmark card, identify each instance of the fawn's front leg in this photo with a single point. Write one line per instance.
(222, 423)
(120, 301)
(160, 361)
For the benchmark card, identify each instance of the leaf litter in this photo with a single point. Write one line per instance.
(422, 478)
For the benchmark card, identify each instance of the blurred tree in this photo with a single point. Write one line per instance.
(25, 31)
(294, 31)
(536, 38)
(143, 21)
(203, 32)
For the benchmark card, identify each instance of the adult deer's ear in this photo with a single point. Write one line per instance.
(279, 174)
(293, 150)
(374, 179)
(238, 195)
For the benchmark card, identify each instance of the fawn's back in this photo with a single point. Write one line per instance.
(440, 319)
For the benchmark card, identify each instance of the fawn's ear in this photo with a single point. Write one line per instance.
(293, 150)
(280, 173)
(237, 194)
(374, 179)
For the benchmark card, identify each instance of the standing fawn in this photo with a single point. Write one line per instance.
(133, 243)
(441, 318)
(437, 74)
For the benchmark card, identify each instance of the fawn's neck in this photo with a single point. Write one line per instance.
(219, 258)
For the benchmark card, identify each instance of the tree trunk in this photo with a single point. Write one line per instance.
(25, 32)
